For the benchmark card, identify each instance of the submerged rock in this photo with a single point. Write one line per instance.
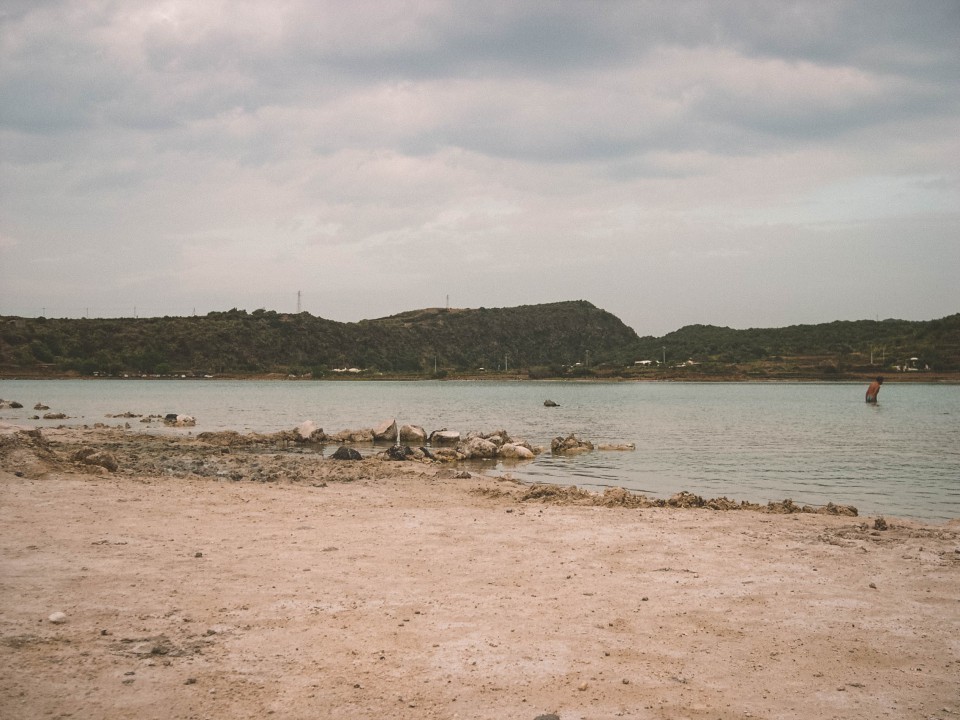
(570, 445)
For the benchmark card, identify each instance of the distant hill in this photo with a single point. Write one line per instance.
(565, 339)
(840, 344)
(419, 342)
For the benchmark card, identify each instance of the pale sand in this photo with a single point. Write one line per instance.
(377, 590)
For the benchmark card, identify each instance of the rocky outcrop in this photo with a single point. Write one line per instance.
(175, 420)
(550, 403)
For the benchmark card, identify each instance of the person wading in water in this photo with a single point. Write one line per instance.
(874, 390)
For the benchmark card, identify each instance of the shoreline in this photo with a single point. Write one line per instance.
(894, 378)
(309, 588)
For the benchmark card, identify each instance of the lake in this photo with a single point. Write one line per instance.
(811, 442)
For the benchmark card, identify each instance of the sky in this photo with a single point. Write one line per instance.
(744, 164)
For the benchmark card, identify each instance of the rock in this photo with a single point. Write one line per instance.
(308, 431)
(41, 406)
(517, 452)
(446, 455)
(617, 446)
(550, 403)
(175, 420)
(353, 436)
(399, 452)
(54, 416)
(478, 448)
(497, 437)
(413, 435)
(548, 716)
(570, 445)
(58, 618)
(444, 437)
(345, 453)
(385, 431)
(89, 456)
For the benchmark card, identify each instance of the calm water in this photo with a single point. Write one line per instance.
(813, 443)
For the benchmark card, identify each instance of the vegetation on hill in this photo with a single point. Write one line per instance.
(418, 342)
(825, 349)
(566, 339)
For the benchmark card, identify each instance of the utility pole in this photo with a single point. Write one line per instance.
(664, 357)
(298, 302)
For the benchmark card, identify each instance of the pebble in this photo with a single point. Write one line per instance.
(58, 618)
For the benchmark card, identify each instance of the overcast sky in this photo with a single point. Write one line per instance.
(749, 164)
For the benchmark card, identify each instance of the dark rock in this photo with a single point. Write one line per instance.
(345, 453)
(550, 403)
(399, 452)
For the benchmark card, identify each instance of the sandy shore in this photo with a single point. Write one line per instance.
(200, 581)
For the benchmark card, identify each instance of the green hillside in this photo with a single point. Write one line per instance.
(564, 339)
(833, 347)
(417, 342)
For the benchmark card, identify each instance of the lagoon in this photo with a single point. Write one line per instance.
(811, 442)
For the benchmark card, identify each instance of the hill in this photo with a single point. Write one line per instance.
(564, 339)
(827, 348)
(417, 342)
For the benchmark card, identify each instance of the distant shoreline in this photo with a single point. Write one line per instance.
(930, 378)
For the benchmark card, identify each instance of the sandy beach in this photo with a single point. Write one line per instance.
(203, 579)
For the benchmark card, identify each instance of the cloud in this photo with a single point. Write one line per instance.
(523, 151)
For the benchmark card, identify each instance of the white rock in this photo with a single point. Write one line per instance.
(518, 452)
(307, 428)
(58, 618)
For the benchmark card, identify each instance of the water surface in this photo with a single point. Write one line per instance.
(813, 443)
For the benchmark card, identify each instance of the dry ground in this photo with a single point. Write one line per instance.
(208, 582)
